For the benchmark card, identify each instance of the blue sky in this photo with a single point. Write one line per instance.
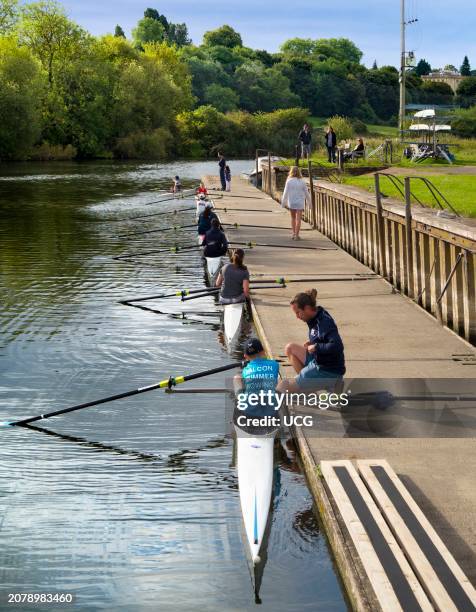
(444, 33)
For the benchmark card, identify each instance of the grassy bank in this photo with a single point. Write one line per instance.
(458, 190)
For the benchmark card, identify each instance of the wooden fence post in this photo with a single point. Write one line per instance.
(382, 267)
(409, 238)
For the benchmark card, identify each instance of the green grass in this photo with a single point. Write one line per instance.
(459, 190)
(387, 131)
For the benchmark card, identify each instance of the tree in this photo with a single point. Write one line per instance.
(22, 83)
(423, 67)
(465, 69)
(374, 65)
(204, 73)
(148, 30)
(225, 36)
(341, 49)
(466, 92)
(263, 89)
(8, 15)
(154, 14)
(178, 34)
(119, 32)
(52, 37)
(435, 92)
(222, 98)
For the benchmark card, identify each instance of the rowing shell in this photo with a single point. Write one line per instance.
(255, 482)
(233, 315)
(214, 265)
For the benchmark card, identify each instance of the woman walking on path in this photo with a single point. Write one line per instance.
(331, 143)
(295, 195)
(234, 280)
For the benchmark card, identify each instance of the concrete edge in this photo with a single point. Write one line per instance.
(348, 564)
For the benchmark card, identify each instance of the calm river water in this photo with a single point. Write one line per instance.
(131, 505)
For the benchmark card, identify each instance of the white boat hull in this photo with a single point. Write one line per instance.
(255, 482)
(233, 315)
(214, 265)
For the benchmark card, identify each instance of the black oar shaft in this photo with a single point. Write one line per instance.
(162, 229)
(172, 249)
(160, 385)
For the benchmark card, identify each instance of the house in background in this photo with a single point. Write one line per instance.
(449, 76)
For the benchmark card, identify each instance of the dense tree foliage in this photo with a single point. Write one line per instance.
(465, 69)
(62, 89)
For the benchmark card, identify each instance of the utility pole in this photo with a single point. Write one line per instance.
(401, 122)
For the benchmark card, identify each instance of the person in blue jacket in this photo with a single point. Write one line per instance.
(319, 362)
(259, 375)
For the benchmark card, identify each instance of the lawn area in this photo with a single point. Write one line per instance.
(387, 131)
(460, 191)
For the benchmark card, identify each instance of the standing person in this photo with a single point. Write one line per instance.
(215, 242)
(331, 143)
(295, 195)
(322, 356)
(222, 166)
(234, 280)
(305, 137)
(227, 178)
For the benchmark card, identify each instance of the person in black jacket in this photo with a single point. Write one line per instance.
(319, 362)
(222, 166)
(305, 138)
(215, 242)
(331, 143)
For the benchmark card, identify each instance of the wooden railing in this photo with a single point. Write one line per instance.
(428, 258)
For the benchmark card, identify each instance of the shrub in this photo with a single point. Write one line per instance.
(342, 127)
(464, 123)
(359, 126)
(143, 145)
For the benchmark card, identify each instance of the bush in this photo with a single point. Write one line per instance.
(144, 145)
(464, 123)
(359, 126)
(49, 152)
(342, 127)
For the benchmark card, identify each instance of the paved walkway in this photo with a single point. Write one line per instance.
(386, 336)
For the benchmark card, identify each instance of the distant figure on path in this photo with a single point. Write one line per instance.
(227, 178)
(331, 143)
(222, 166)
(319, 362)
(295, 195)
(305, 137)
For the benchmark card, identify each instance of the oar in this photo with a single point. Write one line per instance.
(317, 280)
(226, 209)
(162, 229)
(171, 197)
(167, 383)
(166, 212)
(181, 293)
(238, 225)
(212, 291)
(251, 245)
(174, 249)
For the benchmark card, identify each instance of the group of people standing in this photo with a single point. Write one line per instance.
(330, 141)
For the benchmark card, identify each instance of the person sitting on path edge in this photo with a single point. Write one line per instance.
(295, 195)
(319, 362)
(234, 280)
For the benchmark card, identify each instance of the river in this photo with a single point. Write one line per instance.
(130, 505)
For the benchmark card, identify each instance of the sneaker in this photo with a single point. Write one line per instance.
(297, 237)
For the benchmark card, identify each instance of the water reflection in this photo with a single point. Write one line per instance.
(132, 504)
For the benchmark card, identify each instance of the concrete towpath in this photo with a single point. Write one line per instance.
(385, 335)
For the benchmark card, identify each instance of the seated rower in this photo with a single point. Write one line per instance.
(319, 362)
(205, 222)
(259, 375)
(215, 242)
(202, 189)
(234, 280)
(177, 185)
